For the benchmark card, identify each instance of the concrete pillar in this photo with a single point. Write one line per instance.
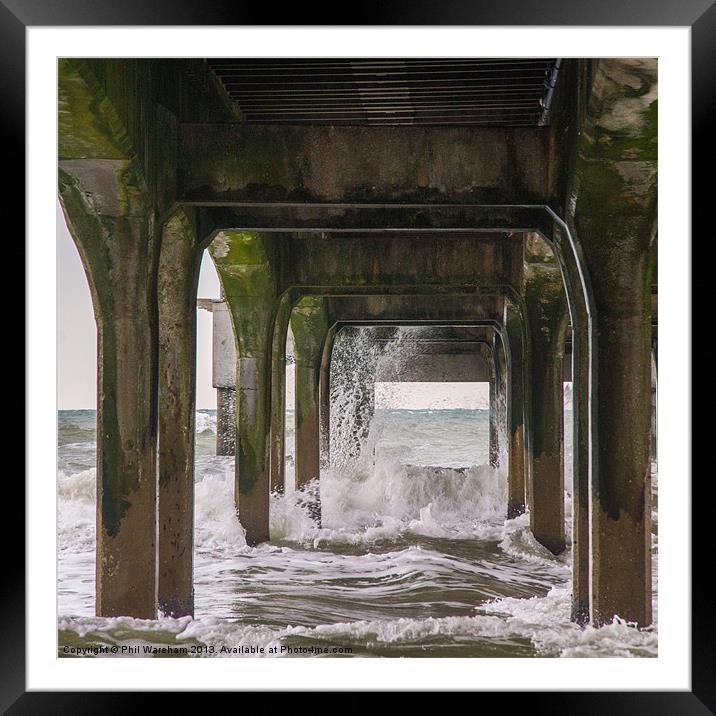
(115, 243)
(278, 395)
(516, 411)
(488, 355)
(654, 403)
(225, 421)
(571, 264)
(309, 327)
(548, 321)
(246, 266)
(612, 205)
(223, 376)
(179, 263)
(498, 400)
(621, 487)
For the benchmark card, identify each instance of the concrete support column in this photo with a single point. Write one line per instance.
(225, 421)
(486, 351)
(223, 356)
(309, 328)
(621, 487)
(245, 262)
(179, 264)
(120, 255)
(498, 399)
(571, 264)
(516, 411)
(548, 320)
(612, 208)
(278, 395)
(654, 403)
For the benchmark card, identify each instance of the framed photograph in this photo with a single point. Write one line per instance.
(343, 350)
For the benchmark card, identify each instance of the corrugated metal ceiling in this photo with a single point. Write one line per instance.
(389, 91)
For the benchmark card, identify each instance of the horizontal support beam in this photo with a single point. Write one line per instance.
(303, 219)
(435, 368)
(242, 162)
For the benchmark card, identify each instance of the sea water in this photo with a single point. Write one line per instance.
(414, 557)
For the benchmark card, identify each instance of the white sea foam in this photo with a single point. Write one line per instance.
(205, 422)
(407, 556)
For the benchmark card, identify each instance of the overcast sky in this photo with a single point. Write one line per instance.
(77, 333)
(77, 346)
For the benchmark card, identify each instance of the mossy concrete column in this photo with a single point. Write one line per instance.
(110, 214)
(309, 326)
(613, 205)
(514, 333)
(547, 316)
(119, 257)
(179, 262)
(246, 264)
(278, 394)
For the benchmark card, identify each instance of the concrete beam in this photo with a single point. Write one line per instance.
(421, 309)
(436, 367)
(232, 163)
(397, 261)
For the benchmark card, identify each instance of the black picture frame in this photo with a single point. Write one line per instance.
(700, 15)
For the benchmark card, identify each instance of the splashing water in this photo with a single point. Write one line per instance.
(413, 556)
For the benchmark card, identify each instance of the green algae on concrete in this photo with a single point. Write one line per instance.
(245, 262)
(110, 215)
(309, 325)
(612, 213)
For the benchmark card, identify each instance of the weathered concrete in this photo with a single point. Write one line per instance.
(226, 421)
(324, 395)
(309, 325)
(176, 292)
(136, 136)
(106, 205)
(486, 353)
(547, 318)
(223, 373)
(654, 406)
(498, 401)
(358, 220)
(434, 361)
(517, 408)
(410, 308)
(246, 266)
(613, 199)
(242, 163)
(278, 394)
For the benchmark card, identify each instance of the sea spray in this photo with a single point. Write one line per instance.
(413, 556)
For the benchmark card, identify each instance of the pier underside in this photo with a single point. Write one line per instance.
(518, 239)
